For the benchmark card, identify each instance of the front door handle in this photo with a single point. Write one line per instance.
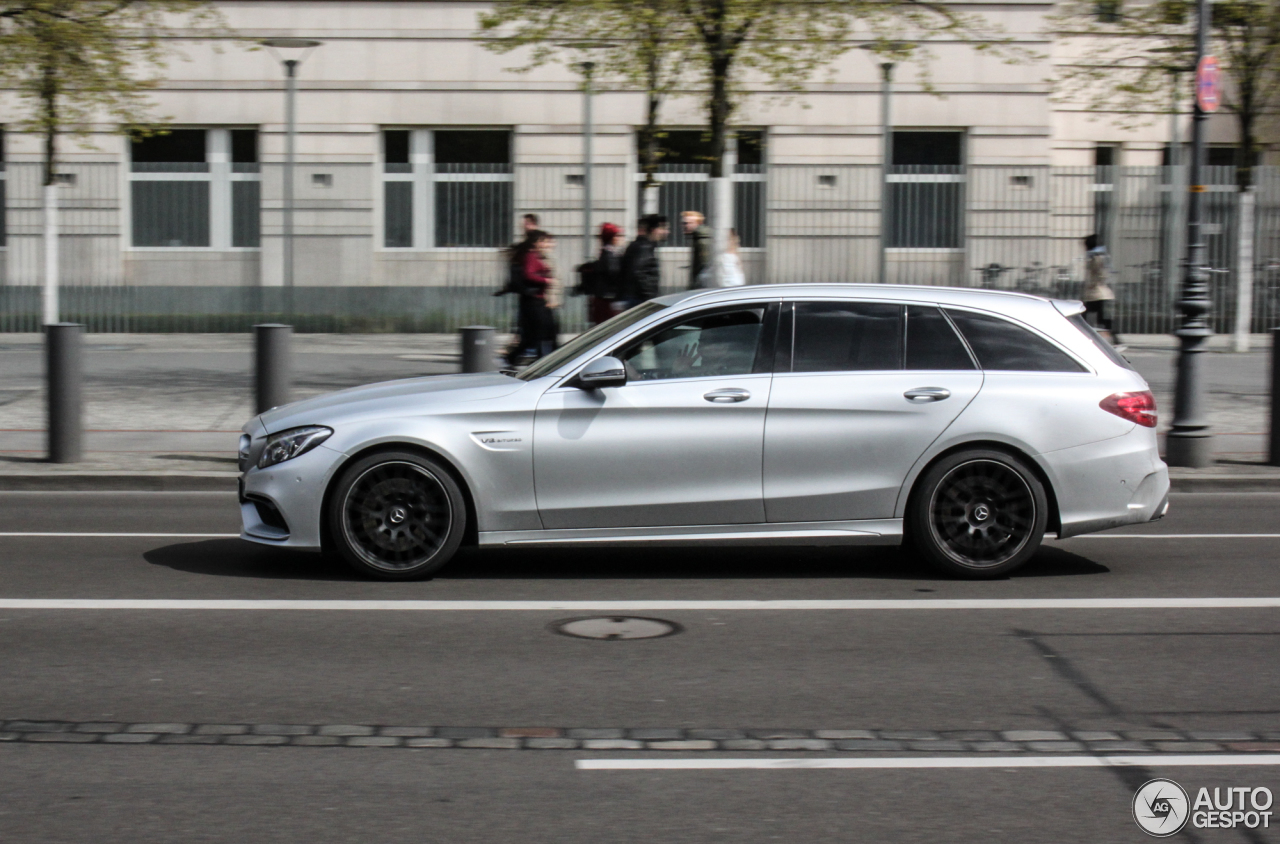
(727, 395)
(923, 394)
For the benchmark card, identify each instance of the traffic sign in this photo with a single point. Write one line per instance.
(1208, 84)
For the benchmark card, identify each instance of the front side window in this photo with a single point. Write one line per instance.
(714, 344)
(447, 188)
(999, 344)
(846, 337)
(196, 188)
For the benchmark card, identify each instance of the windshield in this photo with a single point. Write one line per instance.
(587, 339)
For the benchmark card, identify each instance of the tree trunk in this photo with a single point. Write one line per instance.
(1244, 228)
(649, 145)
(719, 186)
(49, 108)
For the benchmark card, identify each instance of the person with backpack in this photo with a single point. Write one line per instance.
(601, 279)
(641, 273)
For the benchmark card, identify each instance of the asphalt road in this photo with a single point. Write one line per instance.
(952, 672)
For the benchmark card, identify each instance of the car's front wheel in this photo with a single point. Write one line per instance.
(979, 513)
(397, 515)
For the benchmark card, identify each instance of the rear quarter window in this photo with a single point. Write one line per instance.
(999, 344)
(1087, 330)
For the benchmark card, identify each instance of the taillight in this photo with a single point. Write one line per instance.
(1136, 407)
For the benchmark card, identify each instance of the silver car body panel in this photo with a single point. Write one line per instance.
(799, 462)
(651, 453)
(866, 532)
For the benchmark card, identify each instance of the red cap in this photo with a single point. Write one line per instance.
(608, 231)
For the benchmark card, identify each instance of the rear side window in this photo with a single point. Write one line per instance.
(1087, 330)
(999, 344)
(932, 342)
(847, 337)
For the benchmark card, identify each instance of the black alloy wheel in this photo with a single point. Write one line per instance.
(978, 514)
(397, 516)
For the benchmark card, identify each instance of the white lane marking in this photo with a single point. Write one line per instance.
(127, 535)
(627, 606)
(1176, 536)
(76, 535)
(928, 762)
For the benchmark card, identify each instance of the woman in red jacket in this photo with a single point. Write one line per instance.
(538, 329)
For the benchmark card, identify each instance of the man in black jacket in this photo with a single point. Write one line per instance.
(641, 274)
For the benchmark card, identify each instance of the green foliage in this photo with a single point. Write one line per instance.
(1127, 66)
(714, 46)
(77, 61)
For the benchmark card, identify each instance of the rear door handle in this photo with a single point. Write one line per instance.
(923, 394)
(727, 395)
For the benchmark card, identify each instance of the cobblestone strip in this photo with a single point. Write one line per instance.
(648, 738)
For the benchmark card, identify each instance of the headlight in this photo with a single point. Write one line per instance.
(287, 445)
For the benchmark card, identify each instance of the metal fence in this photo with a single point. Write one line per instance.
(998, 227)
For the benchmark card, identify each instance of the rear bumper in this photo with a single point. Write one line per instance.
(1108, 484)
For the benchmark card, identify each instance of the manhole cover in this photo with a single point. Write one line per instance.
(616, 627)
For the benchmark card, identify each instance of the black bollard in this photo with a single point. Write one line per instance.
(1273, 456)
(272, 376)
(477, 349)
(64, 376)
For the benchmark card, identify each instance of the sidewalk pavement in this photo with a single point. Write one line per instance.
(163, 411)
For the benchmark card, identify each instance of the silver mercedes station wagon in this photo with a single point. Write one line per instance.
(966, 423)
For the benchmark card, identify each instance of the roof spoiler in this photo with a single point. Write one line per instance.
(1068, 307)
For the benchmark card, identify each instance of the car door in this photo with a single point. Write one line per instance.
(681, 443)
(860, 390)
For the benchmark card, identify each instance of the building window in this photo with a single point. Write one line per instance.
(196, 188)
(447, 188)
(684, 169)
(1107, 11)
(925, 187)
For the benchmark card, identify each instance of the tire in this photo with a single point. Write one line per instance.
(978, 514)
(396, 515)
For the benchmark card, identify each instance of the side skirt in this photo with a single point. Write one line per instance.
(862, 532)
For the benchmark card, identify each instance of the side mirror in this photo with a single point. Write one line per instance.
(602, 372)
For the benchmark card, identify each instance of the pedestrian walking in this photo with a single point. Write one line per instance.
(537, 324)
(601, 279)
(699, 236)
(1099, 298)
(641, 273)
(731, 267)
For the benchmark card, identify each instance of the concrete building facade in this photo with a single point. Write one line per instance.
(418, 150)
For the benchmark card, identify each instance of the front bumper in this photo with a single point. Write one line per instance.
(282, 505)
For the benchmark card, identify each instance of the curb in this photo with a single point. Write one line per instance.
(1224, 483)
(981, 742)
(121, 482)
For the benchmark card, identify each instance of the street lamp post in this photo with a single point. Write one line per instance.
(886, 155)
(588, 162)
(886, 146)
(297, 51)
(1189, 442)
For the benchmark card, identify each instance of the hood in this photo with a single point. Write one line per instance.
(389, 398)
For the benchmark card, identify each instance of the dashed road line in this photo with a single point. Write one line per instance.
(923, 762)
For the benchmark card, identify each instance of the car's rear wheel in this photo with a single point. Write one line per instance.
(397, 516)
(978, 513)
